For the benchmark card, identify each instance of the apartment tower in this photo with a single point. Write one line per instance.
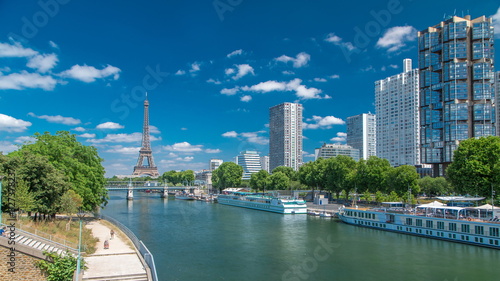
(361, 134)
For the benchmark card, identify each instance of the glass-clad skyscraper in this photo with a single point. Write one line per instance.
(456, 86)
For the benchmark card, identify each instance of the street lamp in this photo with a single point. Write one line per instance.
(80, 214)
(1, 178)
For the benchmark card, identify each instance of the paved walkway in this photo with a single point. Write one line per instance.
(119, 260)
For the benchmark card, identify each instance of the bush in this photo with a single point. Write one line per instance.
(59, 267)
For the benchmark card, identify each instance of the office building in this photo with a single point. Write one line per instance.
(264, 163)
(456, 86)
(332, 150)
(397, 109)
(285, 135)
(250, 161)
(214, 164)
(361, 134)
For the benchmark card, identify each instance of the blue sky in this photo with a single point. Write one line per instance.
(211, 69)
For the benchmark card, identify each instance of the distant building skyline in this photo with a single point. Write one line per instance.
(214, 164)
(264, 162)
(361, 134)
(285, 135)
(249, 160)
(397, 110)
(332, 150)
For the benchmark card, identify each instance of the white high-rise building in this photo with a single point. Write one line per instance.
(285, 135)
(497, 100)
(332, 150)
(250, 161)
(214, 164)
(397, 109)
(361, 134)
(264, 162)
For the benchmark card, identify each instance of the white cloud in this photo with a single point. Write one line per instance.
(299, 61)
(246, 98)
(109, 125)
(180, 72)
(89, 74)
(53, 45)
(235, 53)
(154, 130)
(15, 51)
(183, 147)
(7, 147)
(211, 151)
(496, 23)
(252, 137)
(341, 137)
(79, 129)
(212, 81)
(243, 69)
(43, 63)
(396, 37)
(322, 122)
(25, 139)
(123, 150)
(11, 124)
(22, 80)
(334, 76)
(184, 129)
(294, 85)
(185, 159)
(195, 67)
(287, 72)
(87, 136)
(57, 119)
(134, 137)
(336, 40)
(393, 66)
(230, 134)
(229, 92)
(229, 71)
(320, 79)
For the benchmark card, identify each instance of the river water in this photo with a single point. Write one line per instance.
(193, 240)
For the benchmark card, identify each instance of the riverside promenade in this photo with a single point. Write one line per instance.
(119, 262)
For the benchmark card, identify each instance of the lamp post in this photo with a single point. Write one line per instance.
(1, 178)
(79, 246)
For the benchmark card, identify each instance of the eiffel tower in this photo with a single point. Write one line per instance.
(146, 153)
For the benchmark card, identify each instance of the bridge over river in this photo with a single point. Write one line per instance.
(145, 185)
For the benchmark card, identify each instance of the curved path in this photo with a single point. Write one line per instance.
(119, 262)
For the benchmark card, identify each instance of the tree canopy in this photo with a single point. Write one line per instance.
(260, 180)
(288, 171)
(228, 174)
(476, 166)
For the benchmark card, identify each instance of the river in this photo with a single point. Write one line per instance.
(193, 240)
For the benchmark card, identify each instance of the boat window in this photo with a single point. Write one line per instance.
(494, 231)
(452, 226)
(418, 222)
(465, 228)
(440, 225)
(429, 224)
(409, 221)
(478, 229)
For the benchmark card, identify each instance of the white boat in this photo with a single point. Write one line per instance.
(264, 203)
(325, 215)
(313, 213)
(184, 196)
(457, 224)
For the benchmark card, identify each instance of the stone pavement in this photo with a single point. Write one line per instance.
(119, 262)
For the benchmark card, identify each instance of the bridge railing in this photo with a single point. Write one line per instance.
(143, 250)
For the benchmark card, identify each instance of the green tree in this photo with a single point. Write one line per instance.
(434, 186)
(313, 174)
(259, 180)
(372, 174)
(23, 198)
(340, 171)
(279, 181)
(227, 175)
(59, 267)
(71, 202)
(79, 163)
(402, 178)
(170, 177)
(476, 166)
(288, 171)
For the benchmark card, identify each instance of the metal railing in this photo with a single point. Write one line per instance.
(143, 250)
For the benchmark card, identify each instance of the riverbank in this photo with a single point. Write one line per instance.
(121, 261)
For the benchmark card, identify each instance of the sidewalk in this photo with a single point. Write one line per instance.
(118, 262)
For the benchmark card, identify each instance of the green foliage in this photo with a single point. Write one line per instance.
(340, 171)
(260, 180)
(288, 171)
(80, 165)
(71, 202)
(434, 186)
(23, 198)
(372, 174)
(227, 175)
(402, 178)
(176, 178)
(279, 181)
(379, 196)
(59, 267)
(476, 166)
(367, 196)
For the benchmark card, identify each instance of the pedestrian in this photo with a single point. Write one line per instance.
(2, 231)
(112, 232)
(106, 244)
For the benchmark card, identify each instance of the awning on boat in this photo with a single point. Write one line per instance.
(460, 198)
(485, 207)
(432, 204)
